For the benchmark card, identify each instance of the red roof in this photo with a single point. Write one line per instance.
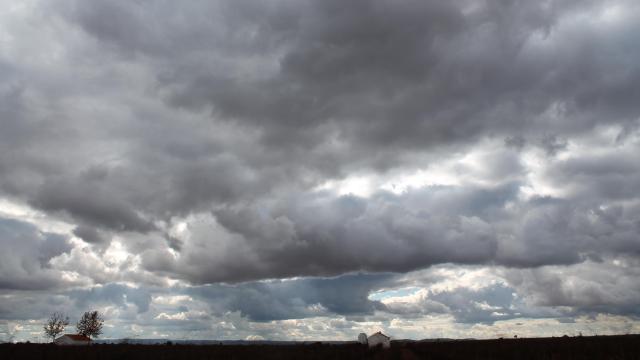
(77, 337)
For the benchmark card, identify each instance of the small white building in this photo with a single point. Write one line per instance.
(379, 338)
(72, 339)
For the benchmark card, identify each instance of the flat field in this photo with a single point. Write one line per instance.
(587, 347)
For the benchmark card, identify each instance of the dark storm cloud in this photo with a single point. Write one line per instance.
(382, 75)
(324, 234)
(90, 235)
(91, 205)
(328, 235)
(379, 75)
(346, 86)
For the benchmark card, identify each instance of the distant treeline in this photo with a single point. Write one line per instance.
(568, 348)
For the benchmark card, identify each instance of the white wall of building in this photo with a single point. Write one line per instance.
(379, 338)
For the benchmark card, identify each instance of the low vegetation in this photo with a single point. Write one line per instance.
(569, 348)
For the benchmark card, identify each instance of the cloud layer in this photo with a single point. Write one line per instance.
(285, 160)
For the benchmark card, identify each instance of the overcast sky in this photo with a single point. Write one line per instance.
(313, 169)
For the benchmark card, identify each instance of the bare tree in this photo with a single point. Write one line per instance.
(55, 325)
(90, 324)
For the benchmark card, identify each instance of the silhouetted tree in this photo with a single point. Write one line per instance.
(90, 324)
(55, 325)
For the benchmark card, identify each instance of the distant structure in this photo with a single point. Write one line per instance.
(379, 339)
(362, 339)
(72, 339)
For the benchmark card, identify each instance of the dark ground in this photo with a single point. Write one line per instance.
(588, 347)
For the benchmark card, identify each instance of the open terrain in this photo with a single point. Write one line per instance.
(588, 347)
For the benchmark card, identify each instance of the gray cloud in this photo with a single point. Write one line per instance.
(26, 255)
(325, 234)
(112, 294)
(23, 305)
(322, 234)
(90, 235)
(378, 76)
(90, 205)
(293, 299)
(352, 68)
(606, 286)
(342, 303)
(198, 142)
(485, 305)
(322, 90)
(597, 178)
